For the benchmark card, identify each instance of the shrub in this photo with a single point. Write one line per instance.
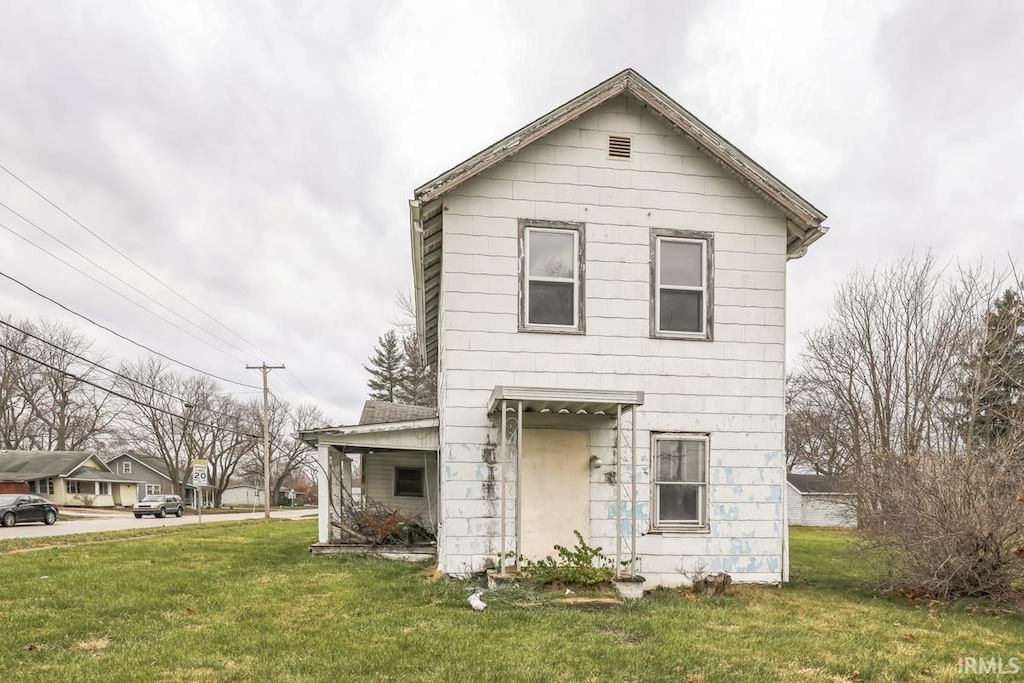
(948, 525)
(583, 565)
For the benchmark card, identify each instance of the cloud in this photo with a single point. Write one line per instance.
(259, 156)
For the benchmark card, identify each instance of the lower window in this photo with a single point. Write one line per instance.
(409, 482)
(102, 488)
(152, 489)
(74, 487)
(680, 480)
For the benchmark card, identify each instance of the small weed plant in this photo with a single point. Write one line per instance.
(583, 565)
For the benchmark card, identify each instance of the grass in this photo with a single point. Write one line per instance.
(246, 601)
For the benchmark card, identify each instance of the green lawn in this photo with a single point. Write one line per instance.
(246, 602)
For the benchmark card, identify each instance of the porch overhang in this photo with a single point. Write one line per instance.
(564, 401)
(413, 435)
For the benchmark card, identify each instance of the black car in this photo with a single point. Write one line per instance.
(16, 508)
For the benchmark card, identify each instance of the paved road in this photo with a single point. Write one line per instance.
(115, 521)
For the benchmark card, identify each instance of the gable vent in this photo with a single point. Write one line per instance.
(620, 146)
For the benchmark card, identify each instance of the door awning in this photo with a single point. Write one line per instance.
(564, 401)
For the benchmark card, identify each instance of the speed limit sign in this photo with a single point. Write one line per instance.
(200, 473)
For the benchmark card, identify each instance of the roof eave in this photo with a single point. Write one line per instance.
(728, 155)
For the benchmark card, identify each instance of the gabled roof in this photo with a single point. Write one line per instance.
(800, 212)
(815, 483)
(804, 222)
(89, 474)
(26, 465)
(156, 465)
(380, 412)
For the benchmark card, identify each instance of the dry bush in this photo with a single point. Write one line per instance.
(948, 525)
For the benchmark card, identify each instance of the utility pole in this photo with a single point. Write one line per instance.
(265, 369)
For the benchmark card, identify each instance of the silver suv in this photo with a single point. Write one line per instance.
(159, 505)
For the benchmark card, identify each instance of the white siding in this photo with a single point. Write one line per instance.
(379, 471)
(731, 388)
(819, 510)
(794, 505)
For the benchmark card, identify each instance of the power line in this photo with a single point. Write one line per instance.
(144, 270)
(127, 258)
(127, 339)
(117, 293)
(114, 373)
(124, 397)
(116, 277)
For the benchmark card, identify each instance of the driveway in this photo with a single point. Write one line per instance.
(97, 521)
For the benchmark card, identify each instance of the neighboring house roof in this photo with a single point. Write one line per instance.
(87, 474)
(157, 465)
(24, 465)
(381, 412)
(815, 483)
(29, 465)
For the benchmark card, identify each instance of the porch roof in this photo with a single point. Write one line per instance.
(414, 435)
(565, 401)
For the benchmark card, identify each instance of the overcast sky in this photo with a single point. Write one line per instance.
(259, 157)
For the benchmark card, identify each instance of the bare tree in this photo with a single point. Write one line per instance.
(288, 454)
(168, 415)
(66, 411)
(16, 424)
(225, 435)
(905, 374)
(815, 436)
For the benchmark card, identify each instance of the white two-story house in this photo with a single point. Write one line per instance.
(603, 293)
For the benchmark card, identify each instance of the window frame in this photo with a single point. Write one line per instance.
(707, 242)
(423, 481)
(103, 488)
(579, 325)
(153, 490)
(126, 467)
(73, 484)
(701, 524)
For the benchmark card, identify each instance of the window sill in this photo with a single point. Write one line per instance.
(682, 336)
(680, 531)
(552, 330)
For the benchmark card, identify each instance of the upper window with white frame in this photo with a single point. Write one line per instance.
(551, 277)
(126, 467)
(680, 481)
(682, 296)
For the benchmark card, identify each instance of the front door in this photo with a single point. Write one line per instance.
(555, 489)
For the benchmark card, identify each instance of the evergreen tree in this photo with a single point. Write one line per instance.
(995, 394)
(419, 382)
(386, 368)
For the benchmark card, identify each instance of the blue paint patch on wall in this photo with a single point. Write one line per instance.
(726, 512)
(642, 511)
(730, 477)
(774, 495)
(772, 458)
(739, 547)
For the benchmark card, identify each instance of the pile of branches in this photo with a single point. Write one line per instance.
(371, 523)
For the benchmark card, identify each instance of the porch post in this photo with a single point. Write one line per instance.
(337, 495)
(519, 482)
(323, 492)
(618, 489)
(503, 425)
(632, 480)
